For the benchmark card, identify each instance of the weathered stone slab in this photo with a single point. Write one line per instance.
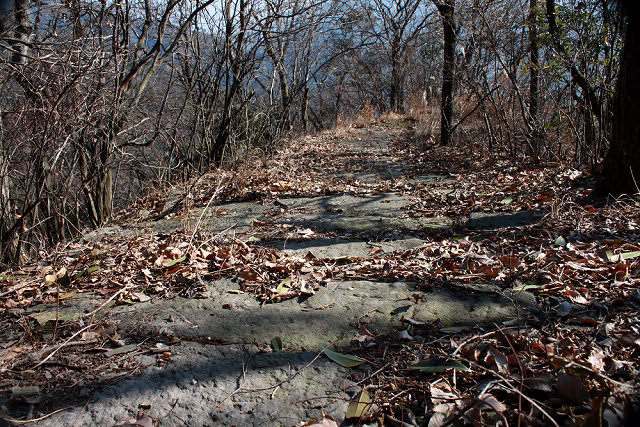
(331, 316)
(489, 221)
(345, 214)
(334, 249)
(220, 385)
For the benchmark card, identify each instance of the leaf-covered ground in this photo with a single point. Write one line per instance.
(573, 360)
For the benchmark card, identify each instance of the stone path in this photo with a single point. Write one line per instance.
(221, 372)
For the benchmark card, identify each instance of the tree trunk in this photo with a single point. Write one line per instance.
(621, 172)
(447, 12)
(285, 101)
(96, 171)
(304, 114)
(216, 151)
(15, 24)
(534, 70)
(23, 32)
(8, 231)
(397, 90)
(589, 92)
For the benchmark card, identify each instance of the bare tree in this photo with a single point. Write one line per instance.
(534, 78)
(447, 9)
(400, 24)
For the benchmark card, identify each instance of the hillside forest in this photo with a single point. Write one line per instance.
(470, 168)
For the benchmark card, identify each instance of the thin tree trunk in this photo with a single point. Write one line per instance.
(98, 179)
(588, 90)
(8, 235)
(304, 114)
(447, 12)
(396, 95)
(534, 78)
(285, 100)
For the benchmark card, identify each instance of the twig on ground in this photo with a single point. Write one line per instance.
(32, 420)
(62, 345)
(114, 296)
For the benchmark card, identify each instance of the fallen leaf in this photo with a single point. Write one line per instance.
(140, 421)
(611, 257)
(499, 358)
(89, 336)
(510, 261)
(93, 269)
(284, 286)
(560, 242)
(506, 201)
(248, 275)
(358, 408)
(141, 297)
(66, 315)
(346, 360)
(525, 287)
(493, 403)
(596, 359)
(542, 384)
(163, 261)
(324, 422)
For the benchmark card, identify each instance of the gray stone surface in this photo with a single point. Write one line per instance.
(209, 385)
(491, 221)
(342, 214)
(331, 316)
(334, 249)
(219, 343)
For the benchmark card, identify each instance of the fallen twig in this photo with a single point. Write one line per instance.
(62, 345)
(114, 296)
(32, 420)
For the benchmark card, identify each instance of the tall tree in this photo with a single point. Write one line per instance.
(447, 12)
(621, 172)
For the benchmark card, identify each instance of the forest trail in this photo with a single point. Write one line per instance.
(224, 307)
(221, 368)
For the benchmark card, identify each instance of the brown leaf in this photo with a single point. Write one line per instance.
(510, 261)
(248, 275)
